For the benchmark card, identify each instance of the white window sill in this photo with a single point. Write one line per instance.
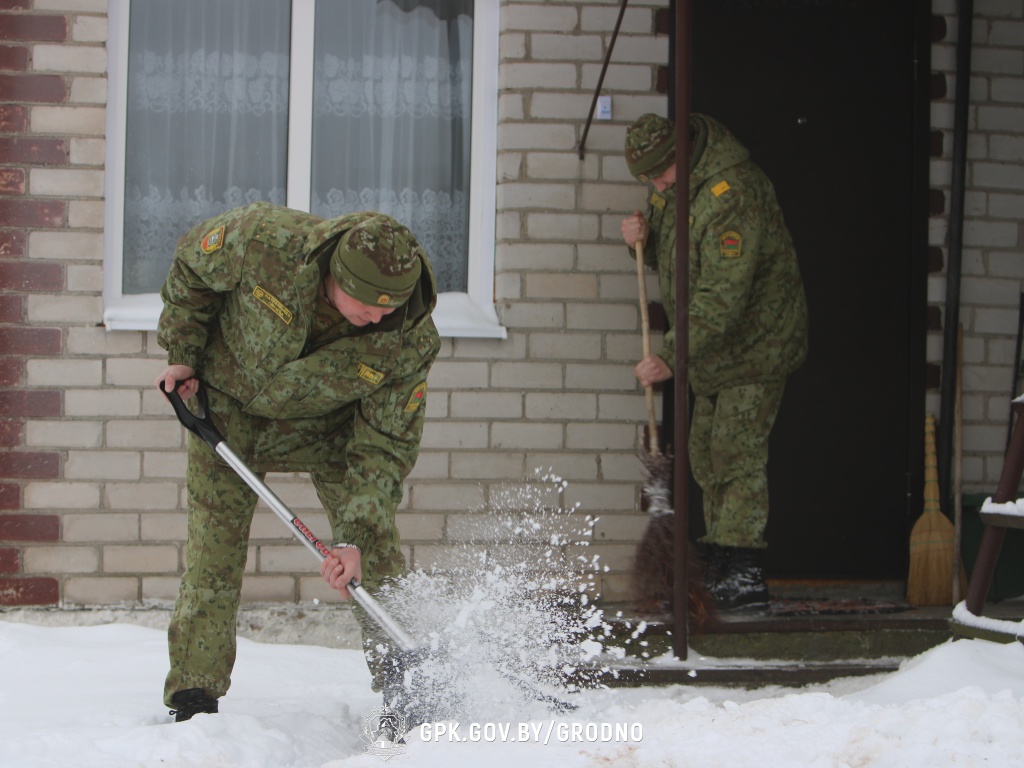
(456, 316)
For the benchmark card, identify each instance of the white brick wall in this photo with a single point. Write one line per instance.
(993, 249)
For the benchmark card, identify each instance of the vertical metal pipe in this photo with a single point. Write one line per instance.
(951, 318)
(993, 536)
(681, 591)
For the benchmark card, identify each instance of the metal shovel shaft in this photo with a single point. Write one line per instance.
(314, 545)
(202, 426)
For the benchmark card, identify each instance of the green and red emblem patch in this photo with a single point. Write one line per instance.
(730, 244)
(417, 397)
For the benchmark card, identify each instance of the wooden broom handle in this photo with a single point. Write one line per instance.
(645, 323)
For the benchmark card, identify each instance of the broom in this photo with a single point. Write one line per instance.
(657, 464)
(653, 570)
(931, 539)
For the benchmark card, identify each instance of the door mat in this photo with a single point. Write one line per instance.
(833, 607)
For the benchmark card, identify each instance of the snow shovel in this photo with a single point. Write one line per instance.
(202, 425)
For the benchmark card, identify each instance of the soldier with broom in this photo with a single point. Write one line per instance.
(747, 331)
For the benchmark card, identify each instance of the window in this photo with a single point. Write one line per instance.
(328, 106)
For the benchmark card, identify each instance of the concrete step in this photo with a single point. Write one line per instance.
(812, 633)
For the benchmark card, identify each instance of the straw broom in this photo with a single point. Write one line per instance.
(653, 570)
(931, 539)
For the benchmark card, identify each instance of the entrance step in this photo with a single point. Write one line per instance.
(812, 633)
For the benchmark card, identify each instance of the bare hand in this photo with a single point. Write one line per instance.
(652, 370)
(174, 374)
(340, 567)
(634, 229)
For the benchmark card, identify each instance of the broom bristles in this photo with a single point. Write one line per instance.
(931, 561)
(657, 490)
(654, 562)
(931, 539)
(654, 573)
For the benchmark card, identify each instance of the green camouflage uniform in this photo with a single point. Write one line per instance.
(747, 324)
(293, 387)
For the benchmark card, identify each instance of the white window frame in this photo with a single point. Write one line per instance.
(468, 315)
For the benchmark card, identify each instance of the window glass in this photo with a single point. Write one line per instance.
(392, 115)
(329, 106)
(206, 124)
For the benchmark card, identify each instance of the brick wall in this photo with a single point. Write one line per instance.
(567, 290)
(993, 241)
(91, 480)
(26, 339)
(92, 461)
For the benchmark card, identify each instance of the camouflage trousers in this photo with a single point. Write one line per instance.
(201, 635)
(729, 460)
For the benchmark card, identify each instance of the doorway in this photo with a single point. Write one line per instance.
(831, 98)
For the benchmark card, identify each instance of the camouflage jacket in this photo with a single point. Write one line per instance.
(241, 308)
(748, 312)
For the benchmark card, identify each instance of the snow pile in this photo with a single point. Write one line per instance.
(511, 626)
(1008, 508)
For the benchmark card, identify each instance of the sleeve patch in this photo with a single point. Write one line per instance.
(720, 188)
(730, 244)
(416, 400)
(213, 241)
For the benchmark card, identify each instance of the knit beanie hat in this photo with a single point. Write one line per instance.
(377, 261)
(650, 146)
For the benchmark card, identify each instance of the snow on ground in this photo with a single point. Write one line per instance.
(89, 696)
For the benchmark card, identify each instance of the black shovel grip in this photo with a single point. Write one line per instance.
(199, 424)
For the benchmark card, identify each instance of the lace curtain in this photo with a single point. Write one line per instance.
(391, 126)
(207, 120)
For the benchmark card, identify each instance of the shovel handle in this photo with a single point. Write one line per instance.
(200, 424)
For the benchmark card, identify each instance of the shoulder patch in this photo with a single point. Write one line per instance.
(657, 200)
(372, 376)
(730, 244)
(720, 188)
(416, 400)
(213, 240)
(272, 302)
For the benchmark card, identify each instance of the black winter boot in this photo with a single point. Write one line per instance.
(192, 701)
(716, 563)
(413, 701)
(743, 584)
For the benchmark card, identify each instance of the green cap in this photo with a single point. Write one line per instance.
(377, 261)
(650, 146)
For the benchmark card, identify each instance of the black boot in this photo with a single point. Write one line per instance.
(192, 701)
(743, 584)
(716, 563)
(408, 696)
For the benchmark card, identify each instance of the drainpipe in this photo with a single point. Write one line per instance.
(681, 430)
(951, 318)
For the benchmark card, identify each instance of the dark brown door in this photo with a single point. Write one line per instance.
(826, 97)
